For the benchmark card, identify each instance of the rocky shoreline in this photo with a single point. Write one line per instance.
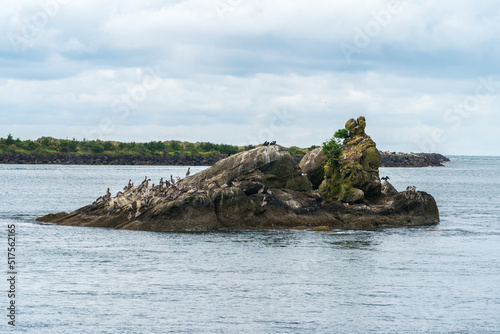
(388, 159)
(393, 159)
(104, 159)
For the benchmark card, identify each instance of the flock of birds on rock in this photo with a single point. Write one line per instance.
(138, 199)
(172, 189)
(160, 189)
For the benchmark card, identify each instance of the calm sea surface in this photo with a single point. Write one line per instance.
(443, 279)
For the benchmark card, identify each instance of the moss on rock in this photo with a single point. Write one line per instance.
(355, 177)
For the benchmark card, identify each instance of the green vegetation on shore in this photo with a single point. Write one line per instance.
(49, 145)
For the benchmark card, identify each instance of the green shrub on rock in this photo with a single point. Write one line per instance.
(351, 171)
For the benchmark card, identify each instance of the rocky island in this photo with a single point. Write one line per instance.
(264, 188)
(400, 159)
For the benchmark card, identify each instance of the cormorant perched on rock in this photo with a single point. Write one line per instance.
(100, 198)
(385, 178)
(410, 192)
(129, 185)
(188, 172)
(266, 143)
(145, 183)
(273, 142)
(107, 196)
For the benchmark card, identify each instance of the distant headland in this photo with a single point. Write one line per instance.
(48, 150)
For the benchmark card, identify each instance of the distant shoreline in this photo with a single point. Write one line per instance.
(393, 159)
(389, 159)
(106, 159)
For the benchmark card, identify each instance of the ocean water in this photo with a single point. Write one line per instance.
(442, 279)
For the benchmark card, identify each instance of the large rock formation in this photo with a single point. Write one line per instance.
(354, 177)
(259, 189)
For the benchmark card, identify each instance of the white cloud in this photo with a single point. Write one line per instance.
(225, 79)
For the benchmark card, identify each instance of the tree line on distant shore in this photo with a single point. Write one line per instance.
(49, 145)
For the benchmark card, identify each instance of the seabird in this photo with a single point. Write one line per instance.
(100, 198)
(266, 143)
(172, 180)
(188, 172)
(107, 196)
(410, 192)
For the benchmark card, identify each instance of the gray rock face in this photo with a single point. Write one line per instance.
(313, 165)
(257, 189)
(388, 189)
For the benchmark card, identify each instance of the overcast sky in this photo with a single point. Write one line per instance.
(424, 73)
